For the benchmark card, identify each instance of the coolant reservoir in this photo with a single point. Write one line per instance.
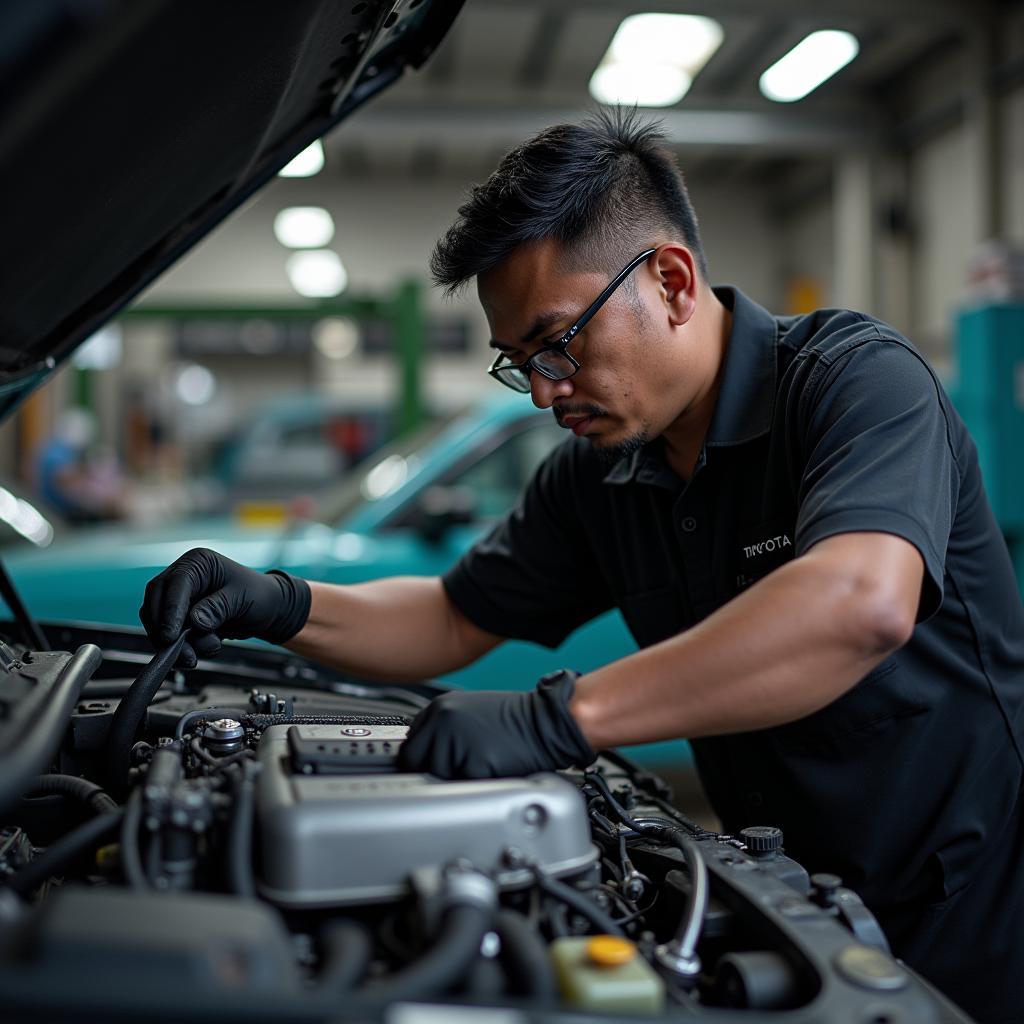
(606, 973)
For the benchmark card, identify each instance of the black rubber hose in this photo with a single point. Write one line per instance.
(597, 780)
(241, 879)
(577, 901)
(132, 710)
(65, 851)
(484, 982)
(131, 857)
(525, 958)
(31, 752)
(80, 789)
(453, 950)
(692, 921)
(347, 952)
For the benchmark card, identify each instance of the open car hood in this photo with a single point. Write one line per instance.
(130, 128)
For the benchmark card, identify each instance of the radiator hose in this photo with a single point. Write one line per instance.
(80, 789)
(525, 959)
(469, 900)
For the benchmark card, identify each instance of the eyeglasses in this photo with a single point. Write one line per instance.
(552, 360)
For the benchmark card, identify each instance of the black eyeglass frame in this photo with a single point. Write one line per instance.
(522, 371)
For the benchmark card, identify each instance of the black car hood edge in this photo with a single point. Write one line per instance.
(129, 129)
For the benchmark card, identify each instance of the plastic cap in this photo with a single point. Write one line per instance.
(610, 951)
(762, 838)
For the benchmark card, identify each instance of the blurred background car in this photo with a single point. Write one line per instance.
(411, 509)
(294, 448)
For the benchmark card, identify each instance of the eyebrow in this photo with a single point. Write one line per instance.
(539, 326)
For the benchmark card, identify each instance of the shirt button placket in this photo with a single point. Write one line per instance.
(692, 533)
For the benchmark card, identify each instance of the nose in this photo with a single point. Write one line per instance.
(543, 392)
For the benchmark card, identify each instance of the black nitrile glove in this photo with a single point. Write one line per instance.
(221, 600)
(498, 733)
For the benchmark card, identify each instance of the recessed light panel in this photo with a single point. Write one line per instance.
(317, 273)
(304, 227)
(653, 59)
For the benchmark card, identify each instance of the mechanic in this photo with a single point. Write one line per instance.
(789, 514)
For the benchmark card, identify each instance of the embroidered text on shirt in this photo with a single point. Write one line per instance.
(763, 546)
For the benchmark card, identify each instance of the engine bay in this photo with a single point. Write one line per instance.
(235, 842)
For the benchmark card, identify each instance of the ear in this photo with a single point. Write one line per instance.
(677, 276)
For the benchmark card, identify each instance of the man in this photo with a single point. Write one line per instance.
(81, 489)
(788, 512)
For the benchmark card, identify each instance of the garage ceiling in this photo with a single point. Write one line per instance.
(510, 67)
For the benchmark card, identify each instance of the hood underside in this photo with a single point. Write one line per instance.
(130, 128)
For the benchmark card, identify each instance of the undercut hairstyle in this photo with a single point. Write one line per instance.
(603, 189)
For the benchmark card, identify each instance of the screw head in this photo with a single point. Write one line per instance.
(534, 818)
(513, 857)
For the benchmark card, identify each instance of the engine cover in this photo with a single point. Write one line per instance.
(331, 836)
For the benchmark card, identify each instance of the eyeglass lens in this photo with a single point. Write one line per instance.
(551, 364)
(554, 364)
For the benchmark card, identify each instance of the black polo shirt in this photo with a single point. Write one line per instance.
(825, 424)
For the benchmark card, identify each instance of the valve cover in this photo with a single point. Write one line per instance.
(333, 834)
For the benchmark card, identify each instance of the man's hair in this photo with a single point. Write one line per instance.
(603, 189)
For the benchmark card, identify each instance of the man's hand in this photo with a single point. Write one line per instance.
(221, 599)
(492, 734)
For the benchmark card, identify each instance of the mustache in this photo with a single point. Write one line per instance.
(576, 409)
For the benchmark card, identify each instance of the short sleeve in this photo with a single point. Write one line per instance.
(878, 456)
(533, 577)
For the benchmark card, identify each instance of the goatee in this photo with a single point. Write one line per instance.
(608, 455)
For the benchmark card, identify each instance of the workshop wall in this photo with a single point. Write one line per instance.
(386, 230)
(932, 205)
(1012, 127)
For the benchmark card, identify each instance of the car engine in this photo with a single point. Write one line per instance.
(235, 842)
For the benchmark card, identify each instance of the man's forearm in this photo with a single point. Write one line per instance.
(794, 642)
(399, 628)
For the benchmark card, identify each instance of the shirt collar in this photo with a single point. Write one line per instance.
(645, 466)
(747, 395)
(746, 398)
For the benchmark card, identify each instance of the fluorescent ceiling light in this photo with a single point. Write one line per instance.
(812, 61)
(309, 162)
(304, 227)
(653, 59)
(317, 273)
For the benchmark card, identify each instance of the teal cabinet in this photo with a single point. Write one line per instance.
(990, 398)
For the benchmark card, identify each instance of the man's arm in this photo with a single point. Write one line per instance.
(400, 628)
(389, 629)
(791, 644)
(795, 641)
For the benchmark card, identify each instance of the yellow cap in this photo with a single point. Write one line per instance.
(108, 856)
(610, 951)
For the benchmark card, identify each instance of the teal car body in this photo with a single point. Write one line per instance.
(411, 510)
